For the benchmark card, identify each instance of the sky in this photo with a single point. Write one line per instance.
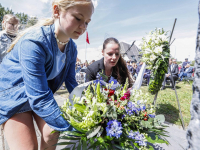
(128, 21)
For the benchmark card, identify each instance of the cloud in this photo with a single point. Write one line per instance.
(95, 3)
(184, 48)
(90, 54)
(44, 1)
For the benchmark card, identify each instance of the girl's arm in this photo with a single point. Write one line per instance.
(32, 59)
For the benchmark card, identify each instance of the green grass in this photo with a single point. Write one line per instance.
(168, 106)
(167, 102)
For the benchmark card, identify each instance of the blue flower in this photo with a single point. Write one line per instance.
(128, 111)
(141, 143)
(152, 116)
(112, 79)
(123, 116)
(114, 128)
(98, 81)
(130, 104)
(138, 102)
(141, 108)
(139, 138)
(133, 134)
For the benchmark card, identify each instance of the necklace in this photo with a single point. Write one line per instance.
(62, 43)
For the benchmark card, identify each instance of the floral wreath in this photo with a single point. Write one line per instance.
(156, 53)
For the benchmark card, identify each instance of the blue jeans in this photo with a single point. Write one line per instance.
(181, 75)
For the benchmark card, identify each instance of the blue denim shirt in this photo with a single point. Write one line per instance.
(23, 77)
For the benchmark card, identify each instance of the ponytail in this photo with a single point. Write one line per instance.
(122, 72)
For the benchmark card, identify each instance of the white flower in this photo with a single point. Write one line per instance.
(158, 50)
(162, 37)
(148, 38)
(147, 51)
(152, 57)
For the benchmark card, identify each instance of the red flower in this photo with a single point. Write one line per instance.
(123, 98)
(105, 89)
(145, 114)
(111, 92)
(127, 94)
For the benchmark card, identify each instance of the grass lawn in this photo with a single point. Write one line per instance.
(167, 102)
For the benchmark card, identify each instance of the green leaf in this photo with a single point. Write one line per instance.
(118, 147)
(65, 143)
(146, 124)
(93, 132)
(79, 146)
(74, 147)
(156, 140)
(66, 148)
(73, 133)
(69, 138)
(150, 147)
(80, 107)
(84, 144)
(161, 118)
(99, 99)
(94, 145)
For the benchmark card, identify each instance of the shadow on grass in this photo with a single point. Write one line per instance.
(169, 111)
(168, 86)
(59, 92)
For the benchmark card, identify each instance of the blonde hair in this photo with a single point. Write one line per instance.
(7, 18)
(63, 5)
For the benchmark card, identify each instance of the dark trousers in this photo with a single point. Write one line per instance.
(147, 77)
(175, 77)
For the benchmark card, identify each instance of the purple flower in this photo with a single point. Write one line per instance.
(114, 128)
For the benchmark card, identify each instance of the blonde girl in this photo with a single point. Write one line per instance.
(38, 62)
(10, 26)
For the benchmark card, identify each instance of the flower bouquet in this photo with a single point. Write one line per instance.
(156, 53)
(109, 116)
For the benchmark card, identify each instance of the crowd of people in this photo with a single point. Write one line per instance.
(178, 71)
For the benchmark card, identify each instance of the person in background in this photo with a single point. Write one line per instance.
(10, 26)
(134, 65)
(112, 64)
(187, 73)
(78, 68)
(130, 68)
(179, 68)
(40, 59)
(147, 73)
(185, 63)
(174, 71)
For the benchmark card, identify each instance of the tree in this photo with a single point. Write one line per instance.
(32, 21)
(22, 17)
(4, 11)
(192, 63)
